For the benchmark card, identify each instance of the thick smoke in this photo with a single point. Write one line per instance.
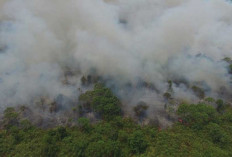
(129, 44)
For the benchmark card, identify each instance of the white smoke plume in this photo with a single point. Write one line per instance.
(124, 42)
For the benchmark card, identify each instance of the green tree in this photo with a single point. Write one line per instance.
(137, 142)
(103, 149)
(49, 147)
(217, 134)
(220, 106)
(102, 101)
(11, 118)
(197, 116)
(84, 124)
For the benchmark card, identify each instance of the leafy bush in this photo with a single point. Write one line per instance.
(197, 116)
(102, 101)
(137, 142)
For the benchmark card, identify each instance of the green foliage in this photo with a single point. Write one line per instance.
(49, 147)
(227, 116)
(137, 142)
(10, 118)
(217, 134)
(170, 144)
(209, 100)
(227, 59)
(26, 125)
(197, 116)
(103, 149)
(102, 101)
(73, 147)
(202, 131)
(84, 124)
(220, 106)
(107, 129)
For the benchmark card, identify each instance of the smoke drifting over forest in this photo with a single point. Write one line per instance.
(135, 47)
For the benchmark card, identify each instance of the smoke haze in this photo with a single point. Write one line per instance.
(126, 43)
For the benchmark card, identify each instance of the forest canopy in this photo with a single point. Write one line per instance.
(201, 130)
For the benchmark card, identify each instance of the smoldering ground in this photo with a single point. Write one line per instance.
(135, 46)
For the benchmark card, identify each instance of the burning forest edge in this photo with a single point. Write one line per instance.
(198, 130)
(97, 102)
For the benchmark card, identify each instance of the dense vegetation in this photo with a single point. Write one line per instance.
(201, 130)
